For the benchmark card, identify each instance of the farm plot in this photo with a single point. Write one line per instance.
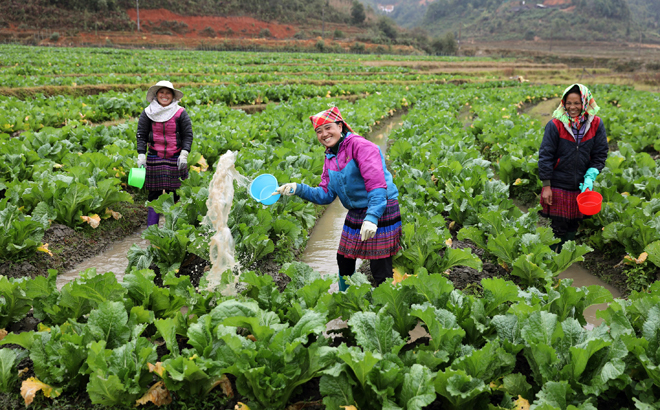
(515, 338)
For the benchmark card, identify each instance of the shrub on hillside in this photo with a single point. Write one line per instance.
(265, 33)
(338, 34)
(55, 36)
(207, 32)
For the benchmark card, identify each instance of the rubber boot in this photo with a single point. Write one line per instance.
(152, 217)
(342, 284)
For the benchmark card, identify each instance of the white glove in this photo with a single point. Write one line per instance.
(368, 230)
(287, 189)
(182, 162)
(142, 161)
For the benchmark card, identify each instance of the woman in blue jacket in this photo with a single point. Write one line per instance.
(572, 154)
(355, 171)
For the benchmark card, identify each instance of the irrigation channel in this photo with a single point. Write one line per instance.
(321, 249)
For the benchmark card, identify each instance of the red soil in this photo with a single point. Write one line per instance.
(556, 2)
(239, 26)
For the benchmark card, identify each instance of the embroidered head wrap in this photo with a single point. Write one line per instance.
(589, 107)
(327, 117)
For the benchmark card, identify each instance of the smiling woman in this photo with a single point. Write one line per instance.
(164, 139)
(355, 171)
(572, 154)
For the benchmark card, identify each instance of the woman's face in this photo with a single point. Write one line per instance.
(573, 105)
(329, 134)
(164, 96)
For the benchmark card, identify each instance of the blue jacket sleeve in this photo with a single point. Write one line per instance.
(318, 195)
(377, 199)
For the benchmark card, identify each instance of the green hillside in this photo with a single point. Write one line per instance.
(508, 20)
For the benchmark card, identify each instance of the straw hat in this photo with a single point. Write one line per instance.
(151, 92)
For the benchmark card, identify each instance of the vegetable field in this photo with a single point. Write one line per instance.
(463, 156)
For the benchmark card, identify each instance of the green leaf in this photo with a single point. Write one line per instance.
(460, 257)
(418, 390)
(374, 332)
(167, 329)
(570, 253)
(337, 391)
(8, 372)
(108, 391)
(360, 362)
(473, 234)
(653, 249)
(504, 247)
(530, 273)
(397, 299)
(459, 389)
(434, 288)
(497, 292)
(108, 323)
(139, 285)
(14, 303)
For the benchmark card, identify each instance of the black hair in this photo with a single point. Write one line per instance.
(574, 90)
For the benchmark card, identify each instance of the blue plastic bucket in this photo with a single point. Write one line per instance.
(262, 188)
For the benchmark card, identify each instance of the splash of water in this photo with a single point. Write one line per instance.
(221, 197)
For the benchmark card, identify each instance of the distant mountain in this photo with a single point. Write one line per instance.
(519, 19)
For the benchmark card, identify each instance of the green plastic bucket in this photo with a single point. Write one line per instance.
(136, 177)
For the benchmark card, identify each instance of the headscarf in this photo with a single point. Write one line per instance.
(589, 107)
(328, 116)
(158, 113)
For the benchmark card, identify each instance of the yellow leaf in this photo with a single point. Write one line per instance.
(225, 384)
(398, 277)
(349, 407)
(23, 371)
(44, 248)
(203, 164)
(157, 394)
(57, 166)
(521, 404)
(3, 333)
(93, 220)
(158, 368)
(625, 194)
(42, 328)
(518, 182)
(31, 386)
(448, 242)
(252, 337)
(112, 213)
(452, 224)
(196, 169)
(642, 258)
(241, 406)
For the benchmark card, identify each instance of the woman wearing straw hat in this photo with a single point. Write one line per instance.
(164, 138)
(355, 171)
(572, 154)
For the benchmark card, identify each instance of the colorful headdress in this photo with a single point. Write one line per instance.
(589, 106)
(327, 117)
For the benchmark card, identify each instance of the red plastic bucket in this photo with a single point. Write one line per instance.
(589, 202)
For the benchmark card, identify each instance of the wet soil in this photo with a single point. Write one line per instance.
(72, 246)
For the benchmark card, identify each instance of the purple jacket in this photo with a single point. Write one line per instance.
(358, 175)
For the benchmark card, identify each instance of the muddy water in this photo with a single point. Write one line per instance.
(543, 110)
(112, 260)
(582, 277)
(321, 250)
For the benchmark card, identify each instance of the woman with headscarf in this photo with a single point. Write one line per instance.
(355, 171)
(164, 138)
(572, 154)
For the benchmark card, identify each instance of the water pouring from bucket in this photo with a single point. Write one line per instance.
(590, 202)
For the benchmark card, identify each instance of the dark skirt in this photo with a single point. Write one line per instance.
(163, 173)
(564, 212)
(385, 243)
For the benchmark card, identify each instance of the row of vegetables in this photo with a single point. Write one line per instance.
(511, 344)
